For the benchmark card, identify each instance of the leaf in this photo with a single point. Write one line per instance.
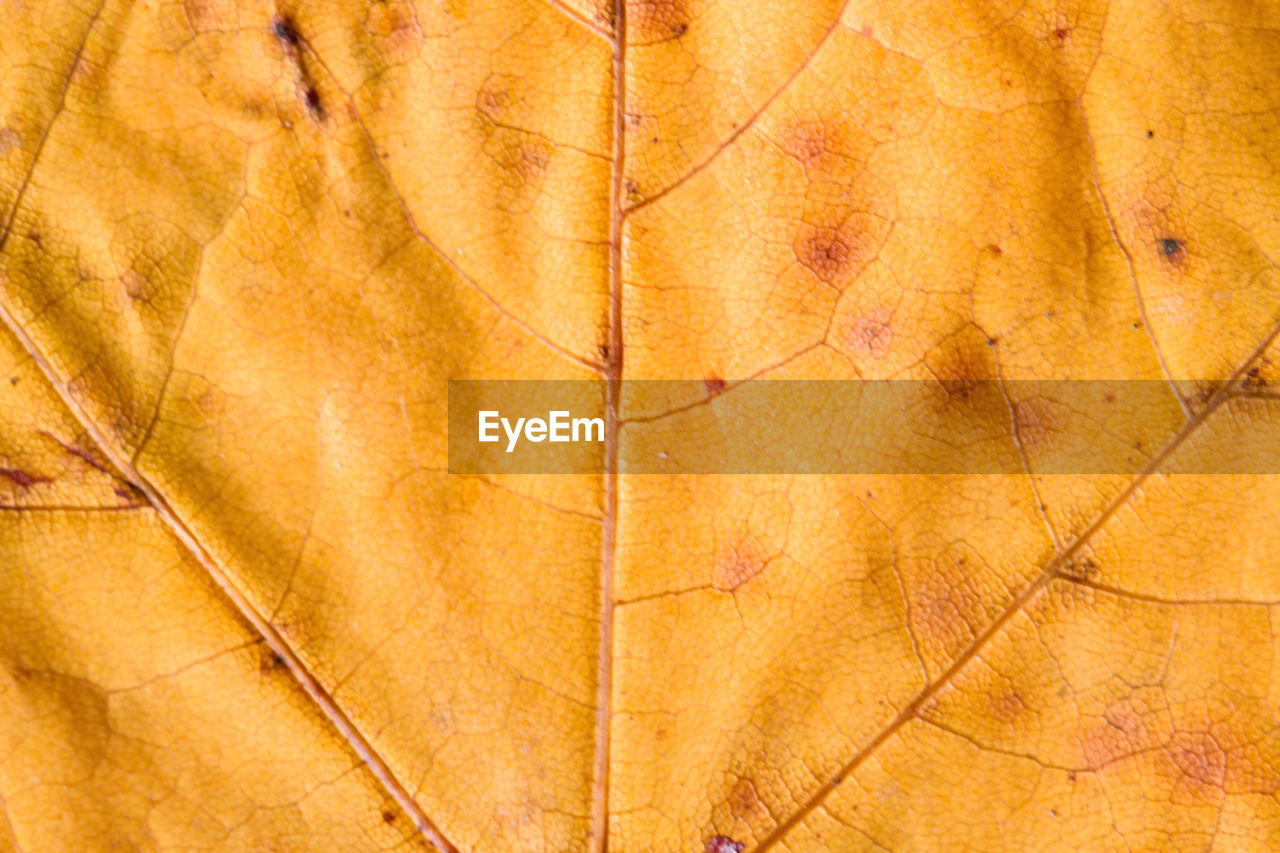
(246, 607)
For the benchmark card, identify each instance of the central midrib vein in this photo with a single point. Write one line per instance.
(613, 388)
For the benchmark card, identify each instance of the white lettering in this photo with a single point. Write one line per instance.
(559, 426)
(488, 422)
(513, 435)
(587, 424)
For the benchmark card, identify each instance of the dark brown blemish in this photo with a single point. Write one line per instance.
(13, 380)
(388, 816)
(659, 20)
(723, 844)
(285, 31)
(1062, 34)
(963, 371)
(269, 661)
(1150, 134)
(1171, 249)
(312, 99)
(714, 384)
(23, 479)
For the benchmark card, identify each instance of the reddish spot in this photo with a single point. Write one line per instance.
(962, 370)
(312, 99)
(739, 563)
(1062, 34)
(658, 20)
(1121, 732)
(714, 384)
(1035, 422)
(1201, 765)
(829, 253)
(811, 140)
(388, 817)
(1007, 705)
(23, 479)
(870, 334)
(945, 607)
(723, 844)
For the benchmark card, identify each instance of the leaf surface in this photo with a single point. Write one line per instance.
(246, 607)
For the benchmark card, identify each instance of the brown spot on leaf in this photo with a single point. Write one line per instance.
(311, 98)
(396, 25)
(286, 32)
(658, 20)
(723, 844)
(1171, 250)
(269, 662)
(964, 369)
(137, 286)
(830, 253)
(744, 802)
(388, 816)
(714, 384)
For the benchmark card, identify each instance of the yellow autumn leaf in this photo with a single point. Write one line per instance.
(244, 247)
